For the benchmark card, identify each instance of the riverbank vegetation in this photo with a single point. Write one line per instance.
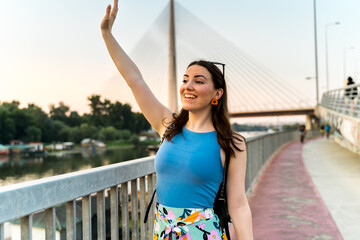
(107, 121)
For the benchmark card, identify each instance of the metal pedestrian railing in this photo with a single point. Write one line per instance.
(106, 202)
(343, 100)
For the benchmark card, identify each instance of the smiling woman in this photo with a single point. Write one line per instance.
(200, 135)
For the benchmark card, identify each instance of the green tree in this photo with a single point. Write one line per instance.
(109, 134)
(116, 118)
(128, 118)
(58, 129)
(290, 127)
(64, 134)
(74, 119)
(125, 134)
(88, 131)
(7, 127)
(11, 106)
(141, 124)
(32, 134)
(22, 120)
(96, 107)
(134, 139)
(60, 112)
(41, 121)
(75, 135)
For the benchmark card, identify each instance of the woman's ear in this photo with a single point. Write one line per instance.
(219, 93)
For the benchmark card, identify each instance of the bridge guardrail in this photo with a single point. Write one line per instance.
(343, 100)
(114, 194)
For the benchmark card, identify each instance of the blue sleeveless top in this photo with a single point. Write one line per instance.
(189, 170)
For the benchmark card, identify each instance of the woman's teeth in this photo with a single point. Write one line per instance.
(189, 96)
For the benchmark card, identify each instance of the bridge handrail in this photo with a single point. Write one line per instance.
(108, 187)
(344, 100)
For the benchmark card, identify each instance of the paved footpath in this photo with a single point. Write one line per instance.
(285, 203)
(336, 173)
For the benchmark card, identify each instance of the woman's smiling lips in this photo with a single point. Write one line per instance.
(189, 96)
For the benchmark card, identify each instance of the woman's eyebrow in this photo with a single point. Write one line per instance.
(200, 76)
(196, 76)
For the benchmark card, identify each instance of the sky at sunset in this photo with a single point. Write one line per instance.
(52, 51)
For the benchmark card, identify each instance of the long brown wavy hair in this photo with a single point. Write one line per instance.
(219, 114)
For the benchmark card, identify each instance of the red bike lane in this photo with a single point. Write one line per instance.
(286, 204)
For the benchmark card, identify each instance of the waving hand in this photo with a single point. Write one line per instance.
(108, 20)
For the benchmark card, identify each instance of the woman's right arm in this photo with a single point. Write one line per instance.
(150, 106)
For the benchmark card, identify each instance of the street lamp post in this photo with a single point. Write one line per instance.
(326, 53)
(356, 69)
(316, 57)
(344, 56)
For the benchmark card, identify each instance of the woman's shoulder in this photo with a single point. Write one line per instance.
(239, 141)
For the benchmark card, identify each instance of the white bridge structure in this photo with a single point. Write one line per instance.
(109, 202)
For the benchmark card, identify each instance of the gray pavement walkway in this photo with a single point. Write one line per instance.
(335, 172)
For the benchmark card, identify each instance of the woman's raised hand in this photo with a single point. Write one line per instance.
(108, 20)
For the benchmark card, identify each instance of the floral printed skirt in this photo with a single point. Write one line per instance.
(186, 223)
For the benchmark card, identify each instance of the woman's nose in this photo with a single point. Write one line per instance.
(189, 85)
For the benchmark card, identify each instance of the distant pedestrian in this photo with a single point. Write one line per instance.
(351, 92)
(322, 130)
(302, 132)
(327, 130)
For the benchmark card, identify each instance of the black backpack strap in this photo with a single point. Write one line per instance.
(227, 162)
(222, 192)
(149, 206)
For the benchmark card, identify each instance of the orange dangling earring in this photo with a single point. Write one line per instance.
(214, 101)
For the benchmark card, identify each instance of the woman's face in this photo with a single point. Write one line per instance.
(197, 89)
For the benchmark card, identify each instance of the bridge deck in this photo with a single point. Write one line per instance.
(308, 191)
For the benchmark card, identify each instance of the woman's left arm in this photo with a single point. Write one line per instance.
(238, 205)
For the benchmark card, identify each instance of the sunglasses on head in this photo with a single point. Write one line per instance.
(223, 67)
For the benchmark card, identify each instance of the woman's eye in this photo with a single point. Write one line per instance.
(199, 82)
(185, 81)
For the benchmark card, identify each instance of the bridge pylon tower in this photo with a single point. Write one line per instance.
(172, 91)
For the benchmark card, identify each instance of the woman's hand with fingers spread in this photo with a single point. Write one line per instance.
(108, 20)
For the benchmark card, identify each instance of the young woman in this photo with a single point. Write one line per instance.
(190, 161)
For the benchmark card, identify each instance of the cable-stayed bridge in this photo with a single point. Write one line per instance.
(284, 201)
(253, 90)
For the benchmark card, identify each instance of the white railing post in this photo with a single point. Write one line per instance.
(134, 211)
(2, 231)
(86, 218)
(71, 220)
(114, 213)
(143, 234)
(26, 227)
(100, 207)
(50, 224)
(125, 211)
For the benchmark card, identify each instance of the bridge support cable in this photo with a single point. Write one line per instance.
(254, 75)
(251, 86)
(151, 55)
(234, 89)
(246, 80)
(231, 50)
(242, 62)
(251, 74)
(290, 93)
(206, 48)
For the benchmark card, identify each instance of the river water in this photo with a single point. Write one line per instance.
(19, 168)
